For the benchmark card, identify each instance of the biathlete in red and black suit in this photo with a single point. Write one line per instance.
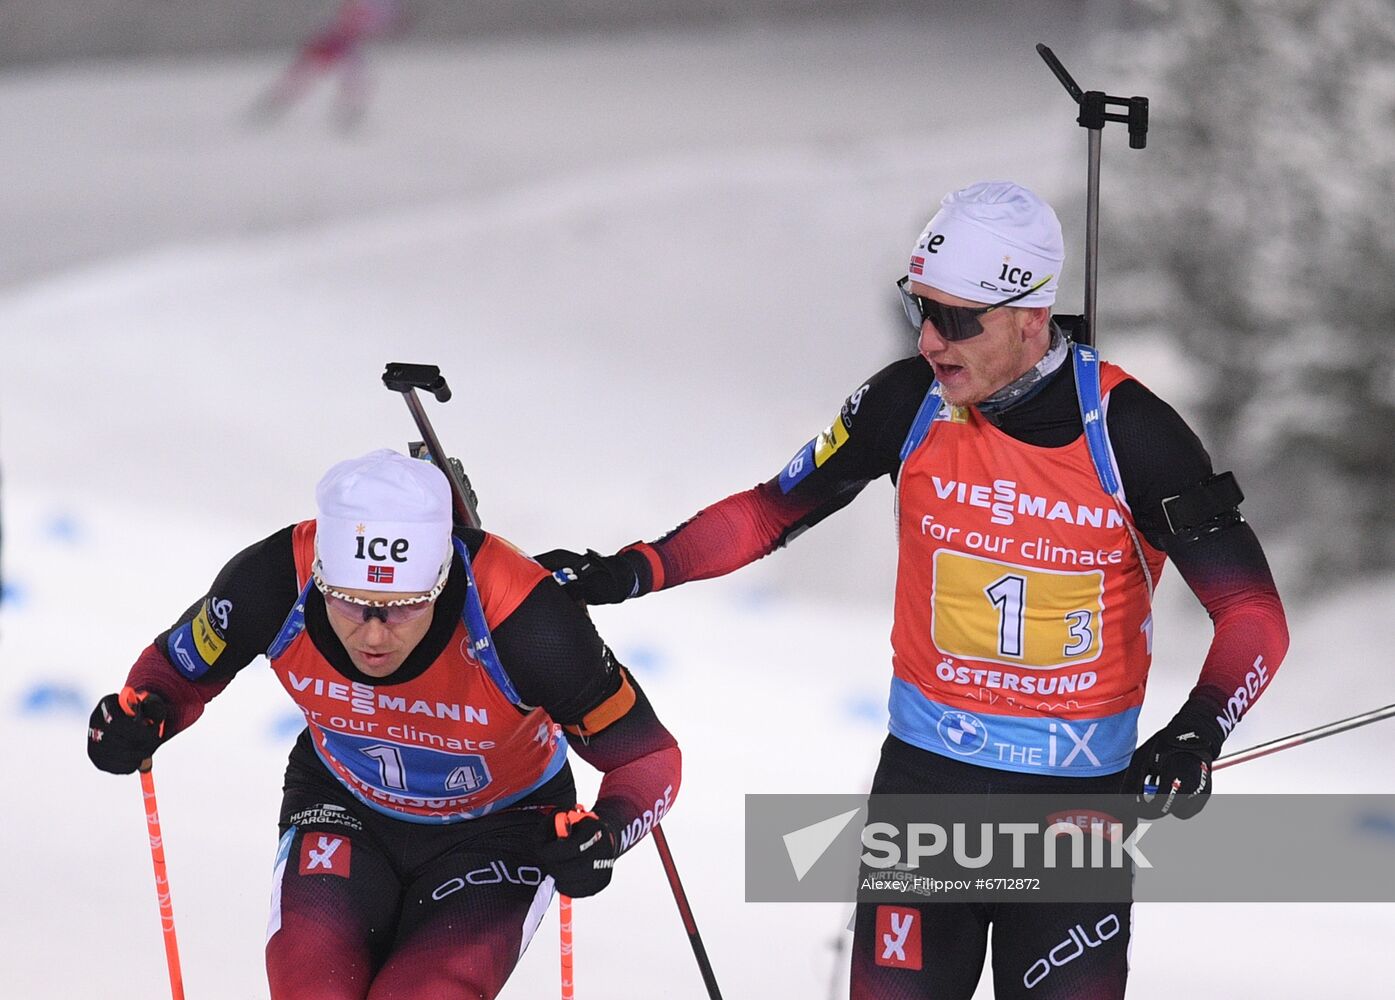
(1039, 491)
(429, 810)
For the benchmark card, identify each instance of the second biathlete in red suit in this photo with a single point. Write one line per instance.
(412, 802)
(1016, 491)
(1022, 633)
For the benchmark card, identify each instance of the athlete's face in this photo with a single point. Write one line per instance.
(377, 648)
(1012, 341)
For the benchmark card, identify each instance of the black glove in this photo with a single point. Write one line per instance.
(125, 729)
(597, 579)
(1176, 764)
(578, 850)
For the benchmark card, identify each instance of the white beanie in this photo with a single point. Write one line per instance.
(990, 241)
(384, 524)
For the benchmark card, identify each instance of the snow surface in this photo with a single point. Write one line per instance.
(651, 268)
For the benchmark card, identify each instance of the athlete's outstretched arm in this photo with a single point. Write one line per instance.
(862, 443)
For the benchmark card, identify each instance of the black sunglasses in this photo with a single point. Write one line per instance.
(953, 323)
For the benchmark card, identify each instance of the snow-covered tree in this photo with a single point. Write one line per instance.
(1265, 203)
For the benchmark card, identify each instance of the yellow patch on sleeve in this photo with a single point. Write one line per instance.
(830, 441)
(208, 642)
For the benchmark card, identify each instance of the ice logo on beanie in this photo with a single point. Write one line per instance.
(1014, 275)
(988, 240)
(379, 548)
(384, 523)
(929, 243)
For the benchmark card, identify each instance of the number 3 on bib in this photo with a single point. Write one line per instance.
(997, 612)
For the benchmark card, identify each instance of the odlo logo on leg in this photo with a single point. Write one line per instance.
(325, 854)
(898, 937)
(1077, 940)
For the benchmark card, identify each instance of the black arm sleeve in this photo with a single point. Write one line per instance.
(1159, 456)
(875, 420)
(556, 660)
(192, 661)
(554, 655)
(862, 443)
(1220, 559)
(244, 609)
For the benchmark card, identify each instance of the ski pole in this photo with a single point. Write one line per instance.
(564, 916)
(1307, 736)
(1093, 116)
(1297, 739)
(406, 379)
(130, 700)
(686, 912)
(162, 884)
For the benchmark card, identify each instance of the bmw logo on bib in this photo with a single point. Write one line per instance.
(963, 733)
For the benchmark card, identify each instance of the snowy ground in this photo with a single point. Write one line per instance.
(651, 269)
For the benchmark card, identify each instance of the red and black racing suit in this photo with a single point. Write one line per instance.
(1157, 457)
(370, 904)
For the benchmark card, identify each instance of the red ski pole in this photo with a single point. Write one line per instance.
(130, 700)
(162, 882)
(564, 915)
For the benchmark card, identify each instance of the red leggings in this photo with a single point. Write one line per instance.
(366, 907)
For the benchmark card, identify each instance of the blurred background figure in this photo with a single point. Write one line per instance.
(1257, 250)
(336, 48)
